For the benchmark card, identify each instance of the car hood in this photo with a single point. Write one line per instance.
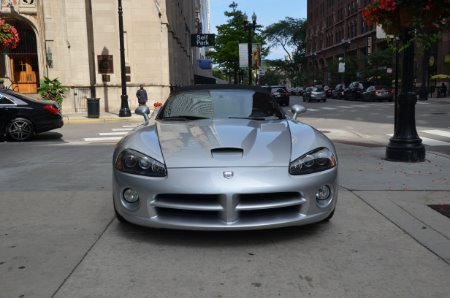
(219, 143)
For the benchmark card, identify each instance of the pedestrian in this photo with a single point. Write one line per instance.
(141, 95)
(443, 90)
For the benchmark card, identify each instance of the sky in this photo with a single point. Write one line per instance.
(267, 12)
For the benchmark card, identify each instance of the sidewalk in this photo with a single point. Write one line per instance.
(103, 117)
(406, 194)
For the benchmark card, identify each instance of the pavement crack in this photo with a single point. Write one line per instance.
(83, 258)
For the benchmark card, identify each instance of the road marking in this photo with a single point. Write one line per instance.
(328, 108)
(132, 126)
(103, 139)
(122, 129)
(311, 110)
(438, 132)
(430, 142)
(117, 133)
(362, 106)
(345, 107)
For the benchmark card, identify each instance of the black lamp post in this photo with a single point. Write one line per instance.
(124, 108)
(406, 145)
(251, 29)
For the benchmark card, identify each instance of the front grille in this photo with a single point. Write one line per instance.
(227, 208)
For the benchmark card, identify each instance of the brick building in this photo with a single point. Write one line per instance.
(337, 32)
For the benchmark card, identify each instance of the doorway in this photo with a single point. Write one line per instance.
(22, 67)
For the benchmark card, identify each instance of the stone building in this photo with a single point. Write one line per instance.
(337, 32)
(77, 42)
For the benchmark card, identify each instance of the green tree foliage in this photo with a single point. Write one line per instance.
(290, 35)
(229, 35)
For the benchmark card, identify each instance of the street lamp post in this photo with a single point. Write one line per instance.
(251, 29)
(124, 109)
(406, 144)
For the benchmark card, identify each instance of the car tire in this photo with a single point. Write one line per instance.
(20, 129)
(324, 100)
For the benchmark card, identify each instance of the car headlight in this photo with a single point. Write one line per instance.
(317, 160)
(134, 162)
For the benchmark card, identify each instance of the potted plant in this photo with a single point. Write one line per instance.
(52, 90)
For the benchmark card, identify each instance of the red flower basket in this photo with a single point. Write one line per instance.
(8, 35)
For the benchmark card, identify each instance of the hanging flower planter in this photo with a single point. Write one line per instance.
(8, 35)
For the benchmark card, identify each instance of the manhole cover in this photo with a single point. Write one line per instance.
(443, 209)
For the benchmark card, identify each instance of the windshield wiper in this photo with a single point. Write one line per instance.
(183, 118)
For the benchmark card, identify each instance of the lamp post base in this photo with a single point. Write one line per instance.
(407, 150)
(405, 145)
(124, 109)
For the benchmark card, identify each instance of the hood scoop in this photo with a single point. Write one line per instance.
(225, 154)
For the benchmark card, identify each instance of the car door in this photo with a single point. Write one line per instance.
(7, 110)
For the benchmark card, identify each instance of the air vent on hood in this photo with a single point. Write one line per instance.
(227, 153)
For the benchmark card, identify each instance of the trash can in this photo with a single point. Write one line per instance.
(93, 107)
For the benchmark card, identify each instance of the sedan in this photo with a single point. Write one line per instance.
(315, 94)
(224, 157)
(281, 94)
(377, 93)
(21, 117)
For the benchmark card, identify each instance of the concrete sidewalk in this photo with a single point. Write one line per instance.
(402, 192)
(102, 117)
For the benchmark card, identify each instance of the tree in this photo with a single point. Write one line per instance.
(289, 33)
(229, 35)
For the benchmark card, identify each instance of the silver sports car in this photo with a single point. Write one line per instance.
(224, 158)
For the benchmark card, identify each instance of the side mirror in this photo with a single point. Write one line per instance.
(297, 109)
(143, 111)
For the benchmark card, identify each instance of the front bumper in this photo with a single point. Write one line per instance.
(202, 199)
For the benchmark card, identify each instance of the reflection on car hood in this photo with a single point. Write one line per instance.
(219, 143)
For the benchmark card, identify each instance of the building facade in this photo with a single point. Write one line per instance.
(77, 42)
(337, 33)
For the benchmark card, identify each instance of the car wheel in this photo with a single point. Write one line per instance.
(324, 100)
(19, 129)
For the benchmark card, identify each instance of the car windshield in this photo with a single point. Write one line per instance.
(317, 89)
(220, 104)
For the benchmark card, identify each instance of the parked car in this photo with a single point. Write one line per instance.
(21, 117)
(354, 91)
(338, 91)
(328, 91)
(314, 94)
(281, 94)
(224, 157)
(377, 93)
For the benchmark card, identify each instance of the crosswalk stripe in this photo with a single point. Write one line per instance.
(312, 110)
(103, 139)
(430, 142)
(442, 133)
(328, 108)
(345, 107)
(117, 133)
(122, 129)
(131, 125)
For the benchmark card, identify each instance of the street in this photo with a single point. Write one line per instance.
(59, 236)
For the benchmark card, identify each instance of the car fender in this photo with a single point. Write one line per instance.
(306, 138)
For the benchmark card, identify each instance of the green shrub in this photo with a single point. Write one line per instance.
(52, 90)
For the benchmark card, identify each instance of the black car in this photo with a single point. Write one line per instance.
(338, 91)
(21, 117)
(355, 90)
(281, 94)
(377, 93)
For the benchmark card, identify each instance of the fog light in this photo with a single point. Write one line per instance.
(130, 195)
(323, 196)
